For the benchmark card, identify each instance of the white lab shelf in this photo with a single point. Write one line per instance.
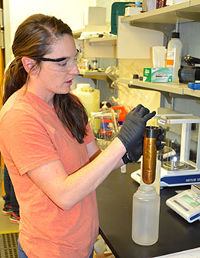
(112, 41)
(180, 88)
(165, 18)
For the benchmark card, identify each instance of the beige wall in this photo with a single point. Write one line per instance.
(15, 11)
(133, 97)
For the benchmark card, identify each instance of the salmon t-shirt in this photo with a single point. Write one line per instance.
(31, 135)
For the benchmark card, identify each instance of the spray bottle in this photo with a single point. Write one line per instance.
(146, 200)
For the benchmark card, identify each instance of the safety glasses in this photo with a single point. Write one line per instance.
(62, 64)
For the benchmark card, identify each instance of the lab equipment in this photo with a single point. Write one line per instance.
(104, 126)
(146, 201)
(191, 72)
(177, 167)
(187, 203)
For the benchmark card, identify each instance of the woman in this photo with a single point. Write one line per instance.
(48, 146)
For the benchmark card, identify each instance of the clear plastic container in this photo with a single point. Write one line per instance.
(89, 97)
(174, 50)
(145, 216)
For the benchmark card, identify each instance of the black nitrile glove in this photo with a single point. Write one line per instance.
(133, 127)
(135, 154)
(160, 138)
(137, 150)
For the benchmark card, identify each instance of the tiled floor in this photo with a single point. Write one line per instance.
(8, 235)
(8, 245)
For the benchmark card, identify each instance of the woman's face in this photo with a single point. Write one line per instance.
(58, 69)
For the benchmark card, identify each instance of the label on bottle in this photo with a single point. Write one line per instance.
(170, 58)
(169, 62)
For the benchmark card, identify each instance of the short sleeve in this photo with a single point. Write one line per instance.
(90, 136)
(28, 142)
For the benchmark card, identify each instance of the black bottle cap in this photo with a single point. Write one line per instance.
(135, 76)
(175, 35)
(151, 131)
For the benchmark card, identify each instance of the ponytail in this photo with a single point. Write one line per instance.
(15, 77)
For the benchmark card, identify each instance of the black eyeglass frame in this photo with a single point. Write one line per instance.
(56, 60)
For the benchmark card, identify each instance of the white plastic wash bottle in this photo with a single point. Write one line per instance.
(146, 210)
(173, 60)
(146, 200)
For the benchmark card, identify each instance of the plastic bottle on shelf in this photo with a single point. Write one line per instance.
(173, 60)
(89, 97)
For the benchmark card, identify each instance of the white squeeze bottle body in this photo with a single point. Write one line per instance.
(173, 60)
(145, 216)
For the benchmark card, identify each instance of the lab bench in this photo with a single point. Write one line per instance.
(114, 197)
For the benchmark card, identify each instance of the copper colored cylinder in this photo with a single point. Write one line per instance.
(149, 154)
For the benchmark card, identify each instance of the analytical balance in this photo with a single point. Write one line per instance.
(187, 203)
(177, 167)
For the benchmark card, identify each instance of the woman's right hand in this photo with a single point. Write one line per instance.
(133, 127)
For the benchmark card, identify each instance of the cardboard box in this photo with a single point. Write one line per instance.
(95, 16)
(132, 11)
(157, 75)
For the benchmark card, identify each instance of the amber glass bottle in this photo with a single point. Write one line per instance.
(149, 154)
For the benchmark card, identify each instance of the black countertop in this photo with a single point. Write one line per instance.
(114, 197)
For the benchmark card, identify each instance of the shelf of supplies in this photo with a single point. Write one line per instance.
(91, 29)
(77, 33)
(112, 41)
(95, 75)
(180, 88)
(95, 46)
(164, 19)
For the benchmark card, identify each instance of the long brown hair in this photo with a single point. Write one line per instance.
(34, 39)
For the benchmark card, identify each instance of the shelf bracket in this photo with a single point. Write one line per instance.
(168, 97)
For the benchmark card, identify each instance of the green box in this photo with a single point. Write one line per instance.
(157, 75)
(147, 74)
